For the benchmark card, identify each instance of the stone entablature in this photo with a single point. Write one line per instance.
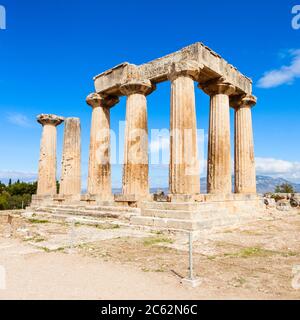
(158, 70)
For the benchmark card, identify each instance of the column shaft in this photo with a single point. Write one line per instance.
(135, 171)
(47, 164)
(71, 163)
(245, 174)
(184, 173)
(99, 177)
(219, 158)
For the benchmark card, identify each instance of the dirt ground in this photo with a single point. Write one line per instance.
(47, 260)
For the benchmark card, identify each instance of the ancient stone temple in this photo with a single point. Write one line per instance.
(187, 206)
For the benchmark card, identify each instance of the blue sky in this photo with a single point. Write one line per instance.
(51, 50)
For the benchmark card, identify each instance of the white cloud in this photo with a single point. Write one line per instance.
(284, 75)
(278, 168)
(19, 119)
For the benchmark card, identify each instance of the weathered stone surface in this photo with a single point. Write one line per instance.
(184, 177)
(99, 175)
(198, 216)
(295, 202)
(49, 119)
(283, 205)
(157, 70)
(47, 163)
(245, 174)
(136, 167)
(70, 184)
(270, 202)
(219, 158)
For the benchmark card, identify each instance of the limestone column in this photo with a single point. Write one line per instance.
(136, 167)
(245, 174)
(219, 158)
(47, 163)
(99, 175)
(70, 183)
(184, 172)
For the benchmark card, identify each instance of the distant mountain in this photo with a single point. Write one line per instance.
(268, 184)
(264, 184)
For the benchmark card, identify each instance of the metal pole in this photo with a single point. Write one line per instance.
(191, 281)
(191, 255)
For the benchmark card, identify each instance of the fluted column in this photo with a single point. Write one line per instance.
(184, 172)
(70, 183)
(219, 158)
(136, 167)
(99, 175)
(245, 174)
(47, 163)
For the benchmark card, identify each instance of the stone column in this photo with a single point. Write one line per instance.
(184, 172)
(70, 183)
(245, 174)
(47, 164)
(99, 175)
(219, 158)
(136, 167)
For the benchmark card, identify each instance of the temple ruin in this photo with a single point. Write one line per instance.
(187, 206)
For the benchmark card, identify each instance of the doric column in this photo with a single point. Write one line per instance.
(136, 167)
(184, 172)
(47, 164)
(245, 175)
(99, 175)
(70, 183)
(219, 158)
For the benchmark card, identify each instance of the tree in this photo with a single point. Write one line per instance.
(284, 188)
(57, 186)
(16, 195)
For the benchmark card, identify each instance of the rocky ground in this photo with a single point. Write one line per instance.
(47, 260)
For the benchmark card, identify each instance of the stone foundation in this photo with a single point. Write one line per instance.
(211, 211)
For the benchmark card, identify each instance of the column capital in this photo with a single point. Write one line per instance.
(217, 86)
(244, 101)
(96, 100)
(51, 119)
(137, 86)
(188, 68)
